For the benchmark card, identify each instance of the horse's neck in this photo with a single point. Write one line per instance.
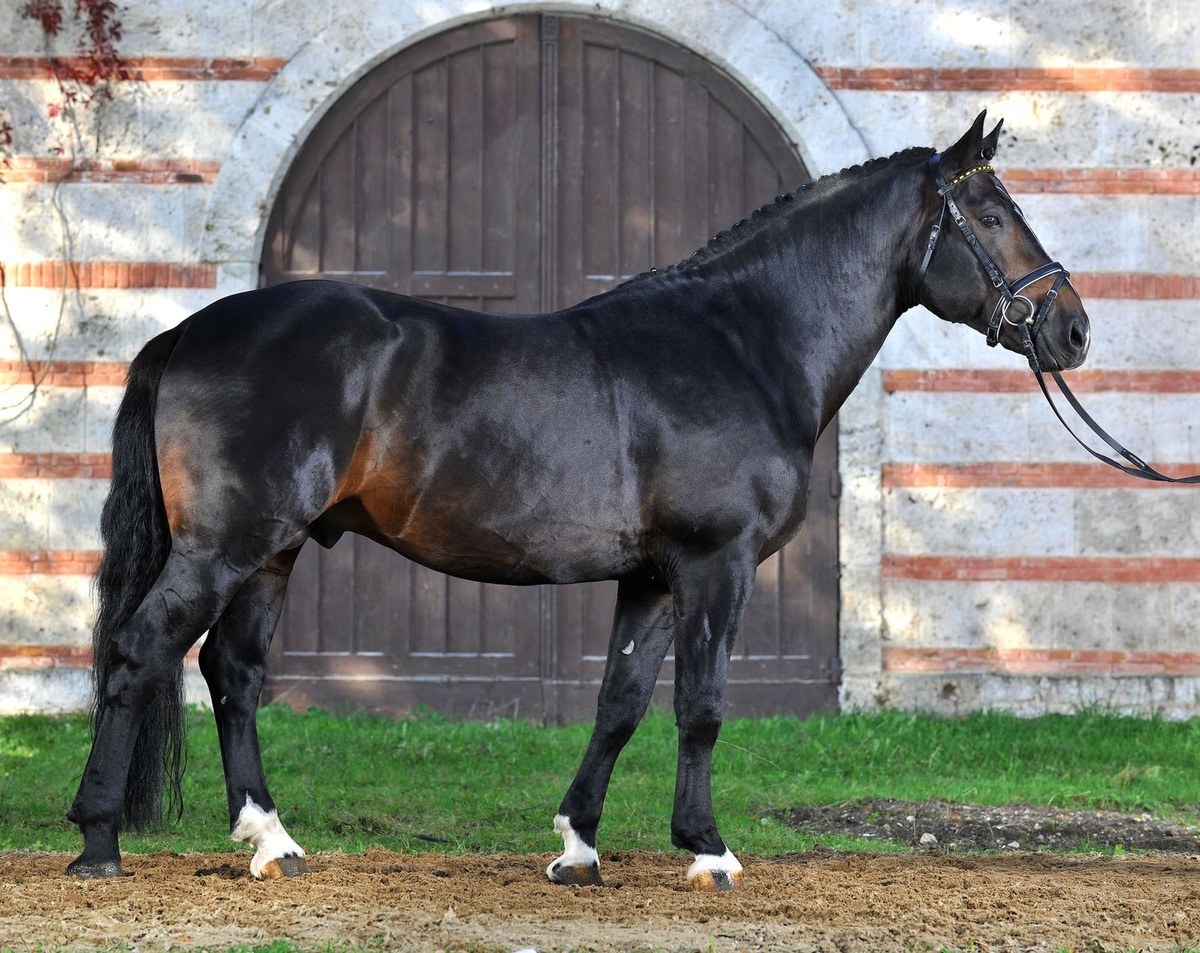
(830, 292)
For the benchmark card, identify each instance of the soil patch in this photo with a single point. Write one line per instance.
(817, 901)
(969, 827)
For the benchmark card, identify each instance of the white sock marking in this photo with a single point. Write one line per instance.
(263, 831)
(576, 853)
(710, 862)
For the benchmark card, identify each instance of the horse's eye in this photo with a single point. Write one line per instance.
(990, 221)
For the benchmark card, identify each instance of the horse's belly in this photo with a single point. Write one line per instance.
(501, 537)
(531, 555)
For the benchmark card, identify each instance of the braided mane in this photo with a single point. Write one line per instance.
(808, 194)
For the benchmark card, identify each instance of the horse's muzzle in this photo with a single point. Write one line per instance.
(1067, 347)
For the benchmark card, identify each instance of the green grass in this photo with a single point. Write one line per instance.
(426, 782)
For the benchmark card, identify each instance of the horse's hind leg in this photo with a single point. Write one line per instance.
(233, 661)
(641, 635)
(146, 653)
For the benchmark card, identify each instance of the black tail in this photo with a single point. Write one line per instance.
(137, 541)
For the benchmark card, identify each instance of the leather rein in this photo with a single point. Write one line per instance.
(1015, 309)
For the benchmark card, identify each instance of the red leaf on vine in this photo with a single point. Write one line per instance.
(97, 62)
(48, 12)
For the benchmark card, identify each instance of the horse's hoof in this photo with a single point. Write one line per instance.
(283, 867)
(711, 881)
(90, 869)
(712, 872)
(575, 875)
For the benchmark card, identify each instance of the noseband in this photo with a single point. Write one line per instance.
(1014, 308)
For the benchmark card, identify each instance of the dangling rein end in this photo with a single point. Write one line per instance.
(1138, 467)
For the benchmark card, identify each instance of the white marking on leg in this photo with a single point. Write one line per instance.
(263, 831)
(725, 864)
(628, 650)
(576, 852)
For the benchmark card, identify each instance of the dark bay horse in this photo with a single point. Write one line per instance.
(660, 435)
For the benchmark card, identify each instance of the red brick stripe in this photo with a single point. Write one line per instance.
(1104, 181)
(1072, 476)
(1017, 79)
(1017, 380)
(1137, 286)
(64, 373)
(44, 656)
(105, 171)
(1023, 79)
(56, 466)
(106, 274)
(1040, 569)
(57, 562)
(152, 69)
(1039, 661)
(39, 170)
(59, 656)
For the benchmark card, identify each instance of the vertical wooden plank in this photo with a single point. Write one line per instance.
(601, 157)
(668, 139)
(300, 625)
(761, 181)
(337, 208)
(464, 79)
(464, 617)
(697, 225)
(511, 625)
(430, 188)
(498, 611)
(372, 229)
(401, 210)
(564, 85)
(636, 165)
(427, 622)
(759, 636)
(500, 158)
(726, 187)
(302, 241)
(381, 597)
(599, 601)
(336, 609)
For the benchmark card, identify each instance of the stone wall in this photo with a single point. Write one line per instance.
(986, 561)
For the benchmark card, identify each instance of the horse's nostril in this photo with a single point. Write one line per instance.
(1079, 334)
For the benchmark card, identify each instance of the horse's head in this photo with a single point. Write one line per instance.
(984, 267)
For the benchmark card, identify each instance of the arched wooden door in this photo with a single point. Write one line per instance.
(523, 164)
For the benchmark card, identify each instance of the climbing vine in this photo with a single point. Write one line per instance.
(87, 76)
(81, 80)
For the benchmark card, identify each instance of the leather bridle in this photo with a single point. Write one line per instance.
(1012, 307)
(1015, 309)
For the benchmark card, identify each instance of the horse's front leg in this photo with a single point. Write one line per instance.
(641, 633)
(234, 663)
(710, 598)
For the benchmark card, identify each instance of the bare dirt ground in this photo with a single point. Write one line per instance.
(1016, 899)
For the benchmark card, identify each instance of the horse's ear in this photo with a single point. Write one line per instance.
(990, 141)
(971, 148)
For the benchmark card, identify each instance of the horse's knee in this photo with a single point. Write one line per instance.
(699, 719)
